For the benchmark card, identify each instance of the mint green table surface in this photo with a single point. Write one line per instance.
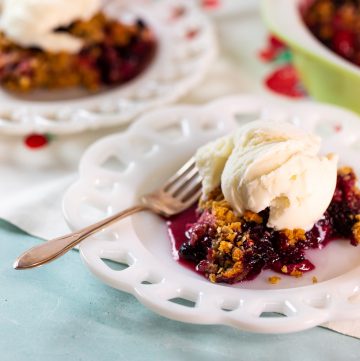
(61, 312)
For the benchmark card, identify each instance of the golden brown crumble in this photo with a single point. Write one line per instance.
(274, 280)
(236, 269)
(212, 277)
(314, 280)
(252, 217)
(294, 235)
(296, 273)
(344, 171)
(225, 247)
(356, 229)
(237, 254)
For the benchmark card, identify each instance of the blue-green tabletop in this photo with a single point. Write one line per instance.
(61, 312)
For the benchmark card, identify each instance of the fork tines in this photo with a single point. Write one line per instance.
(185, 184)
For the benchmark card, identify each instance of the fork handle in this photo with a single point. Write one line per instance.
(55, 248)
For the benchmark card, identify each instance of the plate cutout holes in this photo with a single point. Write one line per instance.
(319, 302)
(171, 132)
(271, 315)
(115, 265)
(230, 305)
(151, 280)
(243, 118)
(183, 302)
(275, 310)
(328, 128)
(113, 163)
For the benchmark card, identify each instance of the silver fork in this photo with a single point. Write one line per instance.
(177, 194)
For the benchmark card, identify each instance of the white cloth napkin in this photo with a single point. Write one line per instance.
(32, 182)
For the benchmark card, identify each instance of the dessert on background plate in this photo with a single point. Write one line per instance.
(268, 196)
(60, 44)
(170, 63)
(336, 24)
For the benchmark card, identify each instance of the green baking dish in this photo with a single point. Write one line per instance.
(326, 76)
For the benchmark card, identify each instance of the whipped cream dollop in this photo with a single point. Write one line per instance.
(33, 22)
(271, 164)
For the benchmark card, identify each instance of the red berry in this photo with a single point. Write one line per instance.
(268, 54)
(343, 43)
(193, 33)
(210, 3)
(276, 42)
(285, 81)
(273, 49)
(35, 141)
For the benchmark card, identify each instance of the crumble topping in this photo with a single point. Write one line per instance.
(252, 217)
(293, 236)
(345, 171)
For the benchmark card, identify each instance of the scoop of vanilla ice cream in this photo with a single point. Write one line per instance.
(211, 159)
(271, 164)
(32, 22)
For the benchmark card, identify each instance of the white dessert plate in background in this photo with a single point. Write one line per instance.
(116, 170)
(186, 48)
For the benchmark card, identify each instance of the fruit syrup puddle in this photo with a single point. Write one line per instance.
(336, 224)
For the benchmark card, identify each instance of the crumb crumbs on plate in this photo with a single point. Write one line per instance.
(274, 280)
(314, 280)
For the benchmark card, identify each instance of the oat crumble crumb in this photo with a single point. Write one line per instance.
(274, 280)
(225, 247)
(296, 273)
(212, 277)
(343, 171)
(356, 229)
(252, 217)
(294, 235)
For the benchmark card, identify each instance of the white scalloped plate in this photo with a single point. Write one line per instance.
(186, 49)
(119, 168)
